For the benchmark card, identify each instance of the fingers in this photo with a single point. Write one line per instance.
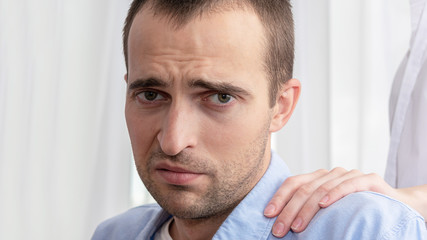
(362, 182)
(312, 205)
(335, 189)
(287, 190)
(294, 204)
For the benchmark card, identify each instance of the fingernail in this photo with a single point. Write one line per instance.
(296, 224)
(324, 200)
(278, 229)
(269, 210)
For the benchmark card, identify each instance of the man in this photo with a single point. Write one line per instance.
(208, 82)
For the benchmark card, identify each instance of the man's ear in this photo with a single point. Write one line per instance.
(126, 78)
(285, 104)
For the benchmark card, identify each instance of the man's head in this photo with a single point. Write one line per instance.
(198, 108)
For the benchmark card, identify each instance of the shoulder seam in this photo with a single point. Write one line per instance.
(392, 233)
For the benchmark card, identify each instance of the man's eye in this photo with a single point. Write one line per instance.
(149, 96)
(221, 98)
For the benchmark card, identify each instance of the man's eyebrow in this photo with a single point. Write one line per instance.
(220, 87)
(144, 83)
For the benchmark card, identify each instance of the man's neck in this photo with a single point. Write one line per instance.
(195, 229)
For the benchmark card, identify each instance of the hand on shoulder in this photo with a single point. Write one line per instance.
(301, 197)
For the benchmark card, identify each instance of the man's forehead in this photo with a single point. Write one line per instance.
(218, 26)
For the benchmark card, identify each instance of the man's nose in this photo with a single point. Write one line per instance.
(178, 130)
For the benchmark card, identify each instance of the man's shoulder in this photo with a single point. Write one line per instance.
(132, 223)
(368, 215)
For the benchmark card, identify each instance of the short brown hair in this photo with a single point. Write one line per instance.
(275, 15)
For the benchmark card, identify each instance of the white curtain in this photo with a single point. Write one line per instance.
(65, 158)
(346, 55)
(64, 150)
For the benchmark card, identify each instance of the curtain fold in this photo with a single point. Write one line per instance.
(346, 55)
(65, 156)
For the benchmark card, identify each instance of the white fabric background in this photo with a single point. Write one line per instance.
(65, 160)
(64, 151)
(346, 55)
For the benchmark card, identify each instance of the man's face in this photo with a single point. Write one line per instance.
(197, 110)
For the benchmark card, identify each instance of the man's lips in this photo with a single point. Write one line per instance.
(176, 175)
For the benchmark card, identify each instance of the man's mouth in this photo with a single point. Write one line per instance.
(176, 175)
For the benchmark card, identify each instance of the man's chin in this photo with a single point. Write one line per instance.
(184, 209)
(184, 205)
(195, 208)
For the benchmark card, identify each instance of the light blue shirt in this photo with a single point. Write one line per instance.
(364, 215)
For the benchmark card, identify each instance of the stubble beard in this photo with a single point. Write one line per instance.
(222, 195)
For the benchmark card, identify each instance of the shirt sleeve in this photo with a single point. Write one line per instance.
(366, 215)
